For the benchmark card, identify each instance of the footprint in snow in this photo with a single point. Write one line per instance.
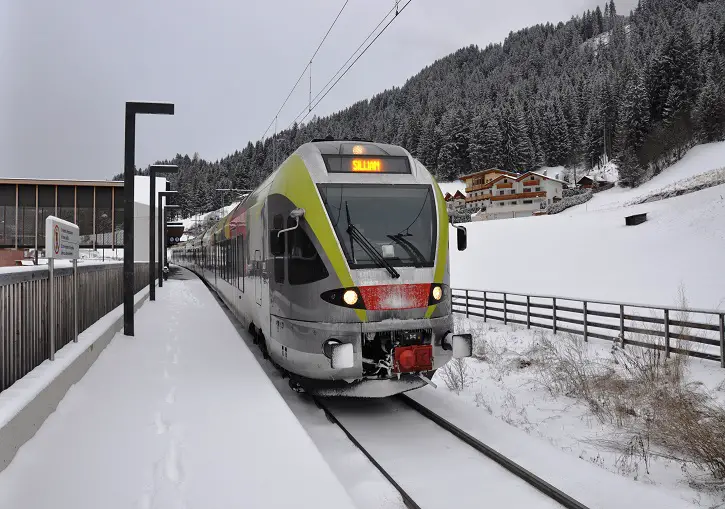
(172, 463)
(161, 425)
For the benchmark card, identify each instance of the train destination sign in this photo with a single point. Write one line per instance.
(62, 239)
(366, 164)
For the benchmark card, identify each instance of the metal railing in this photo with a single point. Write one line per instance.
(694, 332)
(25, 316)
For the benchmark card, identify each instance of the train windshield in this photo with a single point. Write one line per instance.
(397, 221)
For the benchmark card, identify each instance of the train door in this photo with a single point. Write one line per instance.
(258, 278)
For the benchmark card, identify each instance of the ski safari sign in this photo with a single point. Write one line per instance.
(61, 239)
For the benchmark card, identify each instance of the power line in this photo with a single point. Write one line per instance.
(343, 65)
(305, 69)
(309, 110)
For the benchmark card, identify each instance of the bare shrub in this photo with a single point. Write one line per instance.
(690, 427)
(456, 375)
(482, 401)
(646, 395)
(563, 367)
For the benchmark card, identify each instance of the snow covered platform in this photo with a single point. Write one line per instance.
(179, 416)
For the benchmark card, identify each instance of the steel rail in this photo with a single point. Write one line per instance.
(537, 482)
(407, 499)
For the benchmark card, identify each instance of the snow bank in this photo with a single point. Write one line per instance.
(698, 160)
(59, 264)
(595, 256)
(26, 404)
(590, 485)
(180, 415)
(559, 438)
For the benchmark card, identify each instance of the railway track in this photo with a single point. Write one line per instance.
(417, 444)
(485, 465)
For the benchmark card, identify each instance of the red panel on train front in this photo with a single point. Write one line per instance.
(386, 297)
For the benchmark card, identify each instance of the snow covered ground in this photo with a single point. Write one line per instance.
(181, 415)
(503, 384)
(698, 160)
(377, 423)
(200, 219)
(588, 252)
(595, 256)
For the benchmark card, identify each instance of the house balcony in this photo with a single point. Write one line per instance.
(519, 196)
(478, 187)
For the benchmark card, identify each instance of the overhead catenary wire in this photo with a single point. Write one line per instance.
(323, 90)
(309, 64)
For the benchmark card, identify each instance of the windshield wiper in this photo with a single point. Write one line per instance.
(413, 252)
(355, 233)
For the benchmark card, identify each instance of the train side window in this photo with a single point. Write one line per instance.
(305, 264)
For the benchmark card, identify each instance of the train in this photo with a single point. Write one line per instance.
(338, 266)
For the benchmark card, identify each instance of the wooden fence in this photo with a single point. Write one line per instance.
(24, 310)
(695, 332)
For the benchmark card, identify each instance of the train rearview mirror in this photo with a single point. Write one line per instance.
(462, 238)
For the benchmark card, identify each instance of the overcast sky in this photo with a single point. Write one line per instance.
(68, 68)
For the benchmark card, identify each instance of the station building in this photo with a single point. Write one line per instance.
(96, 206)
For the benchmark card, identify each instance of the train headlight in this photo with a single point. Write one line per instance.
(437, 292)
(350, 297)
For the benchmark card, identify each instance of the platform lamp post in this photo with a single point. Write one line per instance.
(129, 164)
(162, 231)
(155, 169)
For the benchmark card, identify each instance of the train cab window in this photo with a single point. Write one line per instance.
(304, 262)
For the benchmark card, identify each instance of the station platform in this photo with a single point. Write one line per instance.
(179, 416)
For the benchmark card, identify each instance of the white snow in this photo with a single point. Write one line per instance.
(200, 219)
(58, 264)
(18, 395)
(698, 160)
(587, 252)
(181, 415)
(452, 187)
(556, 172)
(595, 256)
(608, 172)
(558, 438)
(435, 468)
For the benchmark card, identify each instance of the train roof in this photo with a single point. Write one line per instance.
(310, 152)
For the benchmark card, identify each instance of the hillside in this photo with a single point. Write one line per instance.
(588, 252)
(645, 89)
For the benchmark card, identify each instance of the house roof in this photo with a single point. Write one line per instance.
(592, 179)
(61, 182)
(542, 176)
(490, 170)
(459, 195)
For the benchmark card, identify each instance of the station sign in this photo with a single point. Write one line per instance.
(62, 239)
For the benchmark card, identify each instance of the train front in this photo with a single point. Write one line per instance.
(383, 316)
